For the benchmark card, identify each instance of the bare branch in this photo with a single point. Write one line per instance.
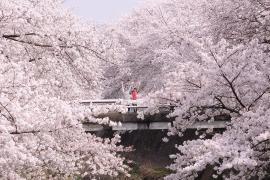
(225, 107)
(42, 131)
(194, 84)
(233, 90)
(230, 83)
(11, 117)
(258, 98)
(98, 55)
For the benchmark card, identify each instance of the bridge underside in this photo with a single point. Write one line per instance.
(159, 121)
(128, 126)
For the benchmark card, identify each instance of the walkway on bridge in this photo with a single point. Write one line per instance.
(130, 121)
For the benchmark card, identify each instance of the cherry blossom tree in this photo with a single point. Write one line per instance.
(50, 60)
(211, 59)
(239, 22)
(233, 81)
(154, 33)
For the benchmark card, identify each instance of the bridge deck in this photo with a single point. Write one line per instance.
(127, 126)
(130, 121)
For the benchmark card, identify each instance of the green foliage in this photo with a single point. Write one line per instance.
(146, 172)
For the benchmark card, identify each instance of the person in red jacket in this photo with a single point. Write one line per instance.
(134, 97)
(134, 94)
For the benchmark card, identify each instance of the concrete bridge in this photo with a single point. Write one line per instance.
(130, 121)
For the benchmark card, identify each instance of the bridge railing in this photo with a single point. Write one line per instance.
(131, 105)
(130, 121)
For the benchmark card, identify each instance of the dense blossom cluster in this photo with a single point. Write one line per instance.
(234, 84)
(48, 60)
(210, 59)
